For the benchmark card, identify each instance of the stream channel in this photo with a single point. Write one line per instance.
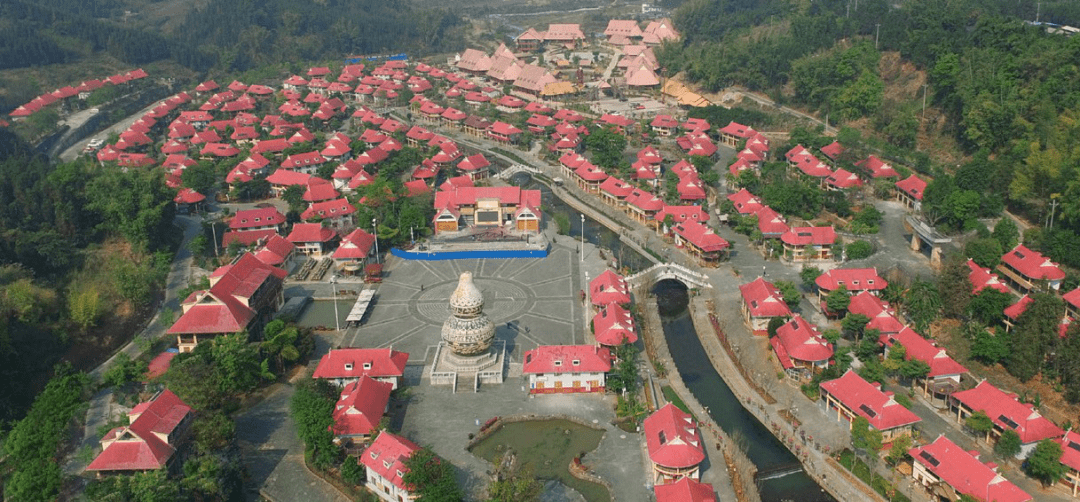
(782, 479)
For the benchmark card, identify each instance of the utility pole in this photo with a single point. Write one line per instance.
(1038, 10)
(877, 34)
(1053, 208)
(924, 102)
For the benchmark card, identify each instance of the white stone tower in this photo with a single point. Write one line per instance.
(468, 331)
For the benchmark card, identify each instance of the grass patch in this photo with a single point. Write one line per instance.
(674, 398)
(862, 471)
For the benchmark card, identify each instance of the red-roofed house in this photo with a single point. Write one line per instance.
(275, 251)
(877, 168)
(734, 132)
(800, 348)
(345, 366)
(614, 191)
(338, 212)
(770, 223)
(477, 167)
(353, 251)
(608, 288)
(622, 32)
(944, 376)
(312, 238)
(981, 278)
(1070, 457)
(943, 462)
(566, 368)
(268, 218)
(664, 125)
(501, 131)
(487, 206)
(745, 202)
(701, 241)
(384, 462)
(1006, 413)
(359, 409)
(842, 179)
(853, 397)
(242, 296)
(685, 490)
(674, 444)
(613, 326)
(910, 191)
(1072, 304)
(643, 206)
(154, 433)
(853, 279)
(1026, 270)
(762, 301)
(808, 243)
(832, 150)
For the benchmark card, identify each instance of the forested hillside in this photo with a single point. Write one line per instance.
(1009, 91)
(226, 35)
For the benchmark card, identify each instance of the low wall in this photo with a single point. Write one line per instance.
(469, 255)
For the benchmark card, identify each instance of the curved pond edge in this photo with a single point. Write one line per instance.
(575, 471)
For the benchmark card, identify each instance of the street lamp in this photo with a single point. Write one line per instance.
(337, 322)
(582, 237)
(375, 232)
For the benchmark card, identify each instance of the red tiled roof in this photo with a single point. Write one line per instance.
(644, 201)
(1032, 264)
(138, 446)
(361, 406)
(607, 288)
(188, 196)
(246, 237)
(567, 359)
(319, 189)
(869, 402)
(285, 177)
(701, 236)
(682, 213)
(854, 279)
(802, 341)
(613, 325)
(1008, 413)
(473, 162)
(832, 150)
(685, 490)
(356, 245)
(917, 347)
(248, 218)
(770, 223)
(1071, 298)
(763, 299)
(310, 232)
(275, 250)
(673, 439)
(809, 236)
(965, 473)
(868, 305)
(745, 202)
(387, 455)
(843, 179)
(328, 209)
(350, 363)
(879, 168)
(738, 130)
(981, 278)
(913, 186)
(616, 188)
(1070, 450)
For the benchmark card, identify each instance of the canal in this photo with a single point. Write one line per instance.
(763, 449)
(789, 482)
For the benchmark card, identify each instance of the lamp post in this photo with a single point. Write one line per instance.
(337, 322)
(375, 232)
(582, 237)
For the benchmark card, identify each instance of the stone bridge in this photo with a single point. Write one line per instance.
(516, 168)
(661, 271)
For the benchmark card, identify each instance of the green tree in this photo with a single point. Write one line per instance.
(200, 177)
(837, 300)
(984, 252)
(987, 347)
(352, 472)
(1069, 350)
(432, 476)
(1044, 462)
(864, 437)
(895, 359)
(312, 410)
(980, 423)
(899, 449)
(214, 431)
(872, 371)
(236, 362)
(954, 287)
(607, 147)
(1008, 444)
(84, 307)
(124, 370)
(774, 324)
(922, 304)
(855, 325)
(1034, 336)
(857, 250)
(1006, 233)
(294, 195)
(988, 305)
(914, 369)
(808, 275)
(153, 486)
(790, 292)
(514, 484)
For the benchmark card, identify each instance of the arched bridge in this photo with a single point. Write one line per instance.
(517, 168)
(661, 271)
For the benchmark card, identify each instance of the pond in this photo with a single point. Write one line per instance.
(546, 447)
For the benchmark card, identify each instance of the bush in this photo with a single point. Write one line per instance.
(858, 250)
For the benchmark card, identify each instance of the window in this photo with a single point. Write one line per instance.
(348, 366)
(576, 362)
(257, 219)
(367, 366)
(558, 363)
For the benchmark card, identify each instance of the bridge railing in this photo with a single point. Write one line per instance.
(671, 270)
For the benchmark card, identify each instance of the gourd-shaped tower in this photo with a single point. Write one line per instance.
(467, 331)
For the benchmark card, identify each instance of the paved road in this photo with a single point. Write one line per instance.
(74, 150)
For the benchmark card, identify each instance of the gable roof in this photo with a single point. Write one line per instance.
(763, 299)
(802, 342)
(609, 287)
(387, 455)
(809, 236)
(310, 232)
(685, 489)
(1032, 264)
(613, 325)
(360, 407)
(139, 446)
(356, 362)
(567, 359)
(672, 438)
(701, 236)
(981, 278)
(963, 471)
(1008, 413)
(913, 186)
(869, 402)
(854, 279)
(917, 347)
